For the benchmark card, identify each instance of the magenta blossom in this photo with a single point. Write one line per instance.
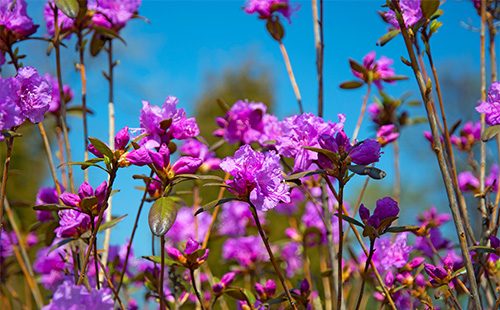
(386, 211)
(113, 14)
(46, 196)
(243, 123)
(71, 296)
(55, 103)
(51, 265)
(491, 107)
(468, 182)
(86, 192)
(183, 227)
(162, 124)
(431, 218)
(72, 224)
(10, 112)
(34, 94)
(304, 130)
(224, 282)
(442, 274)
(377, 71)
(121, 141)
(197, 149)
(470, 134)
(266, 8)
(15, 22)
(235, 218)
(256, 177)
(246, 251)
(387, 134)
(65, 22)
(265, 291)
(411, 10)
(390, 253)
(9, 239)
(192, 257)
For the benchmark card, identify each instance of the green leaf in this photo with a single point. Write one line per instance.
(61, 243)
(214, 204)
(372, 172)
(275, 29)
(111, 223)
(109, 33)
(157, 259)
(357, 67)
(395, 78)
(70, 8)
(490, 132)
(240, 294)
(397, 229)
(351, 84)
(199, 177)
(483, 249)
(51, 207)
(303, 174)
(331, 155)
(351, 220)
(101, 147)
(429, 7)
(88, 203)
(388, 37)
(96, 44)
(162, 216)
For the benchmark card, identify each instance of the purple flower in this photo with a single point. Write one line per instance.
(154, 121)
(10, 113)
(197, 149)
(122, 138)
(34, 94)
(412, 13)
(65, 22)
(257, 177)
(9, 240)
(491, 107)
(266, 8)
(235, 217)
(16, 22)
(51, 265)
(72, 224)
(377, 71)
(386, 211)
(183, 228)
(304, 130)
(431, 218)
(121, 141)
(246, 251)
(387, 134)
(190, 258)
(224, 282)
(292, 255)
(391, 254)
(434, 241)
(70, 296)
(442, 274)
(45, 196)
(113, 14)
(186, 165)
(55, 103)
(291, 208)
(243, 123)
(363, 153)
(470, 134)
(85, 192)
(468, 182)
(265, 291)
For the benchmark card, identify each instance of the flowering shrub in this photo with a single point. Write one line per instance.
(282, 232)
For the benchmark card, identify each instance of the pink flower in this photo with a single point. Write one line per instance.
(266, 8)
(377, 71)
(491, 107)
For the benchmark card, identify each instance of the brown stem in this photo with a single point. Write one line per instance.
(96, 257)
(450, 191)
(341, 243)
(193, 283)
(397, 173)
(363, 281)
(50, 159)
(289, 70)
(214, 215)
(362, 112)
(264, 238)
(318, 39)
(162, 272)
(5, 175)
(83, 78)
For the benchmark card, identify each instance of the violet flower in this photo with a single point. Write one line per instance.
(72, 224)
(182, 229)
(442, 274)
(266, 8)
(10, 112)
(70, 296)
(65, 22)
(491, 107)
(113, 14)
(468, 182)
(386, 211)
(34, 94)
(121, 141)
(192, 257)
(391, 254)
(292, 254)
(302, 130)
(376, 71)
(265, 291)
(411, 10)
(431, 218)
(470, 134)
(15, 21)
(86, 192)
(9, 240)
(55, 103)
(197, 149)
(387, 134)
(162, 124)
(45, 196)
(257, 177)
(224, 282)
(235, 217)
(51, 265)
(246, 251)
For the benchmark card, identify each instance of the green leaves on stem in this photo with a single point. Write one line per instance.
(162, 216)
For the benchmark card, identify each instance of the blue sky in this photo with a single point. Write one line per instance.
(184, 40)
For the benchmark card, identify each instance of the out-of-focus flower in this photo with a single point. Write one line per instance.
(256, 177)
(434, 241)
(386, 211)
(197, 149)
(291, 254)
(10, 113)
(431, 218)
(162, 124)
(113, 14)
(224, 282)
(442, 274)
(266, 8)
(55, 103)
(45, 196)
(50, 264)
(391, 254)
(468, 182)
(491, 107)
(235, 217)
(9, 239)
(243, 123)
(304, 130)
(291, 208)
(376, 71)
(65, 22)
(192, 257)
(265, 291)
(70, 296)
(183, 228)
(470, 134)
(246, 251)
(15, 22)
(34, 94)
(387, 134)
(411, 10)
